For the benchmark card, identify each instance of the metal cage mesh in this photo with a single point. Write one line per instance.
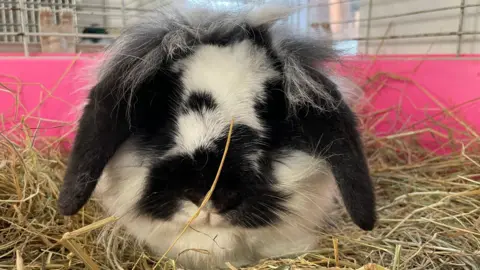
(358, 26)
(22, 16)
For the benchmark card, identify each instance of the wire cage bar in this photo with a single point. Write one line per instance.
(367, 23)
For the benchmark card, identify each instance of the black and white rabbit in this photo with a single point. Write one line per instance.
(153, 132)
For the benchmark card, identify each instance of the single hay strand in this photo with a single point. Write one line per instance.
(80, 252)
(230, 266)
(335, 252)
(396, 259)
(88, 228)
(19, 261)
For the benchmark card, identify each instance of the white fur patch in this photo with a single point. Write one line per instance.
(198, 130)
(235, 76)
(311, 183)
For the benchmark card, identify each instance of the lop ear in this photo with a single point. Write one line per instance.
(102, 128)
(338, 139)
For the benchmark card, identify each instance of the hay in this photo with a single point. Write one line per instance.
(428, 205)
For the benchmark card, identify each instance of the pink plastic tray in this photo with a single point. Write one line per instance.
(42, 93)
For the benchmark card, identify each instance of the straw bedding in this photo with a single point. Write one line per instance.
(428, 205)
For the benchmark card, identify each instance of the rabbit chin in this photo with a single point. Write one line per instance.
(212, 240)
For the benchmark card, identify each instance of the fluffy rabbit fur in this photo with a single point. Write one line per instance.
(153, 132)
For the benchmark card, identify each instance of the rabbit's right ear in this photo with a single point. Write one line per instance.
(102, 128)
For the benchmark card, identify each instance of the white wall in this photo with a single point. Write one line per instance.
(441, 21)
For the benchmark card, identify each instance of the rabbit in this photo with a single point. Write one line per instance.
(155, 126)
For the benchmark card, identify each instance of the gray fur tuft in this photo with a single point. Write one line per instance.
(149, 46)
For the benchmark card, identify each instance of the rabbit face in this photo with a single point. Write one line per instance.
(153, 133)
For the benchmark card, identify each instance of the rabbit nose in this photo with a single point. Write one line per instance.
(210, 207)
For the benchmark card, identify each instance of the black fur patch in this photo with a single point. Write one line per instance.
(104, 127)
(199, 101)
(243, 196)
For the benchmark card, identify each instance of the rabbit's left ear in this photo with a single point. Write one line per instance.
(338, 139)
